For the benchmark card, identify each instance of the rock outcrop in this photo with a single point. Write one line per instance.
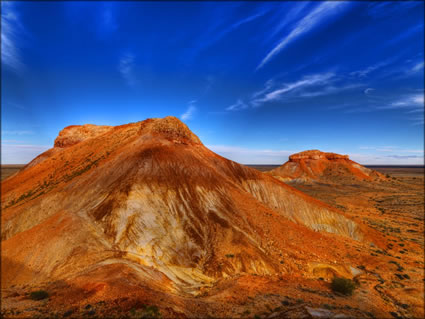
(149, 199)
(314, 165)
(75, 134)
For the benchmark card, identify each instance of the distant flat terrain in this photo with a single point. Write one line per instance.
(399, 170)
(393, 170)
(10, 169)
(263, 167)
(392, 266)
(413, 170)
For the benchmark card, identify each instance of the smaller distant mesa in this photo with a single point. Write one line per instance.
(317, 155)
(315, 165)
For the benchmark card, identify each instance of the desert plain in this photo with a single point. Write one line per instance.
(143, 221)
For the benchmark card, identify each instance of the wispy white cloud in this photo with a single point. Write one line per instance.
(14, 105)
(10, 25)
(188, 115)
(17, 132)
(390, 8)
(218, 32)
(392, 149)
(416, 110)
(382, 148)
(417, 67)
(12, 141)
(126, 68)
(20, 153)
(268, 86)
(252, 156)
(239, 105)
(273, 92)
(278, 157)
(309, 86)
(330, 89)
(406, 34)
(287, 14)
(108, 17)
(319, 15)
(368, 90)
(381, 159)
(307, 81)
(237, 24)
(209, 82)
(408, 103)
(365, 72)
(357, 109)
(418, 120)
(393, 67)
(411, 101)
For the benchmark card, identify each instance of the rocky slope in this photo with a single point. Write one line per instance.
(315, 165)
(147, 207)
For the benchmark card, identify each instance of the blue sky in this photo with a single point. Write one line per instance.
(256, 81)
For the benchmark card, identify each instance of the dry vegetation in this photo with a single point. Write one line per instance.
(389, 280)
(395, 208)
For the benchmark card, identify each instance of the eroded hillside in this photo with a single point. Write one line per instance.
(320, 166)
(144, 212)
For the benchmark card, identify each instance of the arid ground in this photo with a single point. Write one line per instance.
(395, 209)
(396, 171)
(394, 278)
(10, 169)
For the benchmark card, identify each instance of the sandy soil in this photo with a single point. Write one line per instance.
(396, 210)
(10, 169)
(391, 285)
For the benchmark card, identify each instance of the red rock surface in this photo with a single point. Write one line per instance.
(74, 134)
(314, 165)
(145, 210)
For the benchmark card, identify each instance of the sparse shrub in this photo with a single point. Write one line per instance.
(399, 276)
(151, 312)
(285, 302)
(230, 255)
(343, 285)
(39, 295)
(91, 312)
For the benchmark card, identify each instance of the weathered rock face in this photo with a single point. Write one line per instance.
(75, 134)
(315, 165)
(316, 155)
(150, 197)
